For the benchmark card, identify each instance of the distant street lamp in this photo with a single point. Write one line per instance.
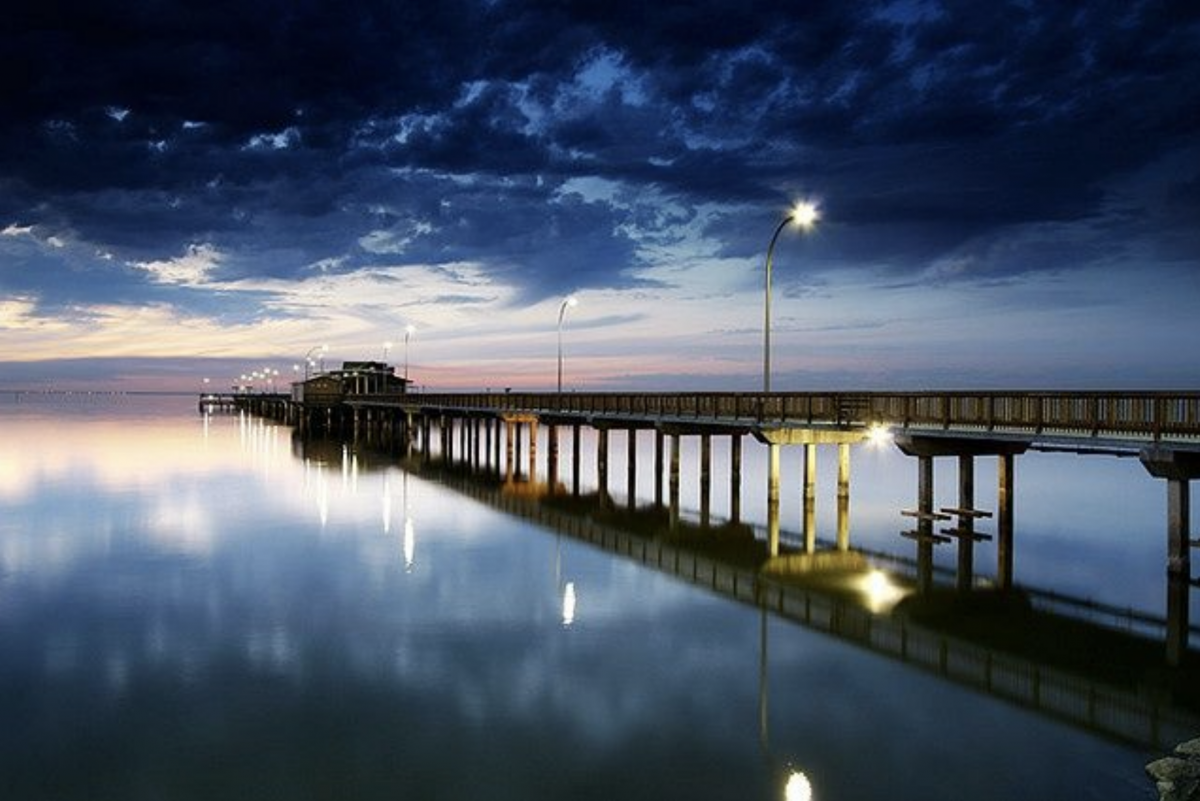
(308, 357)
(805, 216)
(568, 301)
(387, 348)
(408, 332)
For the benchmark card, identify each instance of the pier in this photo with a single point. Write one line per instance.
(1162, 429)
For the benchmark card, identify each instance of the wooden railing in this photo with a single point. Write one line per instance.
(1141, 415)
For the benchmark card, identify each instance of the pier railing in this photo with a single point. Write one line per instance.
(1139, 415)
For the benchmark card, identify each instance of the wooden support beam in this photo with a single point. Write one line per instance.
(970, 534)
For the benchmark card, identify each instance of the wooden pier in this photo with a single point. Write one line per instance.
(211, 402)
(1162, 428)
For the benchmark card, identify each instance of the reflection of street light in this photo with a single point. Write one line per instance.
(565, 588)
(410, 535)
(570, 300)
(568, 607)
(410, 544)
(880, 593)
(408, 332)
(797, 788)
(805, 216)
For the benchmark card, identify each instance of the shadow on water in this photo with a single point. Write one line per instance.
(999, 642)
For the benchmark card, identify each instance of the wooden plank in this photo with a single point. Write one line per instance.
(961, 534)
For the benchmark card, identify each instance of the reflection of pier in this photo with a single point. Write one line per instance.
(502, 430)
(1036, 659)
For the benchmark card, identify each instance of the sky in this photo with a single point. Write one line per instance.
(1009, 192)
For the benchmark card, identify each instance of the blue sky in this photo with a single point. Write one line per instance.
(1009, 192)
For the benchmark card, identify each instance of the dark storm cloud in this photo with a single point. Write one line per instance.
(287, 134)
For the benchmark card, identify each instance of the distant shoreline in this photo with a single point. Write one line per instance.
(104, 392)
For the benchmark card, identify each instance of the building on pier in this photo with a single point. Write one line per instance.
(354, 378)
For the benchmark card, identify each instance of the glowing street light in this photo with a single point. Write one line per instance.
(805, 216)
(387, 348)
(408, 332)
(879, 435)
(568, 301)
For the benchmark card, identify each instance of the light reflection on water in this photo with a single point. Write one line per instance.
(192, 609)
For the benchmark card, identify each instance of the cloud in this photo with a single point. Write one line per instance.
(193, 268)
(175, 156)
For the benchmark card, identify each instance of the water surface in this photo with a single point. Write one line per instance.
(199, 608)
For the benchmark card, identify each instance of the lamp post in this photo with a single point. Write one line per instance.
(387, 348)
(408, 332)
(568, 301)
(805, 216)
(308, 357)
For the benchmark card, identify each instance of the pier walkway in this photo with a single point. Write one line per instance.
(1094, 419)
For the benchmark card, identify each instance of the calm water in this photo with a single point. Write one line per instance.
(199, 608)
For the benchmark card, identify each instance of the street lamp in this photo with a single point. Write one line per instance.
(805, 216)
(408, 332)
(387, 348)
(570, 300)
(308, 357)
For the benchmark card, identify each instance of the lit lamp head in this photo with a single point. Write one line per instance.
(805, 215)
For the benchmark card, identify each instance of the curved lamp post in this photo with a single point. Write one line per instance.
(408, 332)
(805, 216)
(308, 357)
(568, 301)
